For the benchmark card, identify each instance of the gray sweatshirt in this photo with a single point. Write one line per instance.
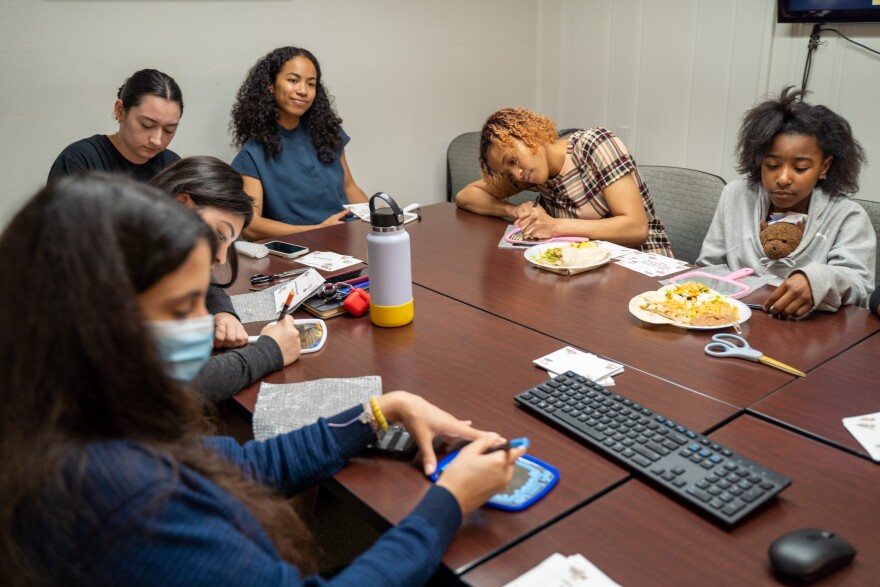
(836, 253)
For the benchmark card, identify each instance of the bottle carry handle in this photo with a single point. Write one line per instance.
(398, 213)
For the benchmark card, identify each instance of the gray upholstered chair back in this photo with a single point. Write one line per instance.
(463, 162)
(685, 201)
(873, 210)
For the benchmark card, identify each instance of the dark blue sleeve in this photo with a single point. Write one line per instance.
(244, 162)
(155, 523)
(344, 136)
(300, 459)
(201, 538)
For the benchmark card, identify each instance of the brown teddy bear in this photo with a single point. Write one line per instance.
(780, 239)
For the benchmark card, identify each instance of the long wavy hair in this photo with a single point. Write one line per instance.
(789, 114)
(255, 111)
(210, 183)
(82, 368)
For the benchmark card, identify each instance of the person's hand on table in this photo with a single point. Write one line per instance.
(285, 334)
(228, 331)
(534, 221)
(336, 218)
(792, 299)
(473, 477)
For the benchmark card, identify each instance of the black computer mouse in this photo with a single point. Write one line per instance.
(810, 554)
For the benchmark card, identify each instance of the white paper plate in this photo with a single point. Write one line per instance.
(533, 256)
(645, 316)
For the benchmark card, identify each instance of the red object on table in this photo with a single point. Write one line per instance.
(357, 302)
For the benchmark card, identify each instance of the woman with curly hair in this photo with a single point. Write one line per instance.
(588, 183)
(801, 164)
(292, 146)
(148, 108)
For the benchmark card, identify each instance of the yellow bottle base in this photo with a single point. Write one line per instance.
(390, 316)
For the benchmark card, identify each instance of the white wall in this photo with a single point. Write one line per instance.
(408, 75)
(674, 77)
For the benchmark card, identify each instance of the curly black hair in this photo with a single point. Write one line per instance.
(789, 114)
(255, 111)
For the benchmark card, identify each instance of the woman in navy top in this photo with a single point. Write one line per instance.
(148, 108)
(105, 474)
(292, 146)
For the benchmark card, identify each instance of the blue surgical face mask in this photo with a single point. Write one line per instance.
(184, 345)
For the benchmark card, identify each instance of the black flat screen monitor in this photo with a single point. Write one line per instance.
(821, 11)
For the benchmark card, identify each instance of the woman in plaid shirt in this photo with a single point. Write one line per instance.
(588, 183)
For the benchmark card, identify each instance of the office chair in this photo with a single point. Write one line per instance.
(873, 210)
(463, 164)
(685, 201)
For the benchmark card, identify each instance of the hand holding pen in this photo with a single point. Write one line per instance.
(534, 220)
(284, 333)
(482, 469)
(286, 307)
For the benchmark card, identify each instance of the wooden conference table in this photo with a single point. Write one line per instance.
(456, 253)
(482, 315)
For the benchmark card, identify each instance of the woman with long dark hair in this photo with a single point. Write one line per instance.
(214, 190)
(105, 474)
(292, 145)
(148, 108)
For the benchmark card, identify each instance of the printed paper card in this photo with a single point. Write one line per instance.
(651, 264)
(304, 286)
(558, 570)
(362, 211)
(328, 261)
(586, 364)
(866, 430)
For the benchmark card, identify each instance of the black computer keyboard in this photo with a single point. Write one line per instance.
(715, 479)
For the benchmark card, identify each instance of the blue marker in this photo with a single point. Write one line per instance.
(515, 443)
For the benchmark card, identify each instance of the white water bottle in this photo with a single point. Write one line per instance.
(391, 298)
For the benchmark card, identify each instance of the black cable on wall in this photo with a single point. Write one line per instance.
(813, 44)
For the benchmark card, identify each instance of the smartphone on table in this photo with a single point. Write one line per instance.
(286, 250)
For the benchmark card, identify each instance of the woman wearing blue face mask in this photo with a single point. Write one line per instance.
(105, 475)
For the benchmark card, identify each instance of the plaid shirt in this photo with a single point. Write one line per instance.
(600, 159)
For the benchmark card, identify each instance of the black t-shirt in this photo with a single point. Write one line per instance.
(98, 153)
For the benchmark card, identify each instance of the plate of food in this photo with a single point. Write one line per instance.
(567, 258)
(689, 305)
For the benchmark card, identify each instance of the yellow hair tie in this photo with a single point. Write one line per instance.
(377, 413)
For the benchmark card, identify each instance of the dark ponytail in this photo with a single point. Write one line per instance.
(149, 82)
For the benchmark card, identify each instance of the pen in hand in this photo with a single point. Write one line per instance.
(515, 443)
(287, 305)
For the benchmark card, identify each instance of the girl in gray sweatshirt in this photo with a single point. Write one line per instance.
(801, 164)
